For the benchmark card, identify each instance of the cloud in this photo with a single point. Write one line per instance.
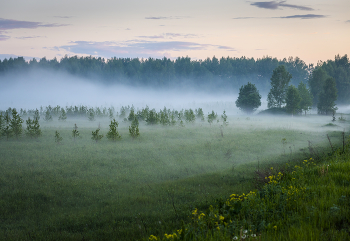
(7, 56)
(7, 24)
(134, 49)
(3, 37)
(276, 5)
(63, 16)
(243, 17)
(170, 17)
(170, 36)
(29, 37)
(306, 16)
(347, 21)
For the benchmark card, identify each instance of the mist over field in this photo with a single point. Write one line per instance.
(43, 88)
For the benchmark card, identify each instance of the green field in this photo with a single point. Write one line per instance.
(129, 189)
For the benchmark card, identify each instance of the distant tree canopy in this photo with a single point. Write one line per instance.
(339, 70)
(326, 103)
(292, 100)
(211, 73)
(279, 84)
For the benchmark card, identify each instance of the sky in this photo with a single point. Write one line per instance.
(312, 30)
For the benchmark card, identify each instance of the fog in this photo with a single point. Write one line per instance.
(43, 88)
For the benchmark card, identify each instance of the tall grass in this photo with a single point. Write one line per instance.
(305, 200)
(132, 188)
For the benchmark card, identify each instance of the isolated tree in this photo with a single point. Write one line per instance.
(16, 123)
(134, 129)
(113, 134)
(279, 84)
(292, 100)
(306, 97)
(96, 136)
(58, 137)
(317, 80)
(249, 98)
(75, 132)
(224, 118)
(33, 128)
(211, 117)
(327, 98)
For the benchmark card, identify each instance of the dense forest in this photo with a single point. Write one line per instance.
(211, 74)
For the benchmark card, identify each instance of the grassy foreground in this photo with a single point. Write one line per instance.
(134, 188)
(305, 200)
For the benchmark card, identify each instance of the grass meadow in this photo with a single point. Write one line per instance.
(133, 188)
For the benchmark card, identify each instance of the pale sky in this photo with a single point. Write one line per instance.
(310, 29)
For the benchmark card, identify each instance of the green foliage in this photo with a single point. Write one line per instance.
(48, 116)
(306, 97)
(75, 132)
(189, 116)
(211, 117)
(113, 134)
(134, 129)
(152, 117)
(96, 136)
(58, 137)
(328, 96)
(122, 113)
(317, 80)
(132, 115)
(16, 124)
(279, 84)
(51, 190)
(249, 98)
(224, 118)
(143, 114)
(110, 113)
(339, 70)
(36, 115)
(273, 111)
(63, 115)
(91, 114)
(33, 128)
(2, 124)
(164, 117)
(292, 100)
(200, 114)
(302, 201)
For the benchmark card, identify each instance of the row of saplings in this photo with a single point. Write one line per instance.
(11, 126)
(11, 123)
(112, 135)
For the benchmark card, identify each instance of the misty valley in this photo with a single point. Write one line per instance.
(87, 175)
(161, 149)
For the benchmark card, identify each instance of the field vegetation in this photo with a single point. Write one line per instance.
(65, 185)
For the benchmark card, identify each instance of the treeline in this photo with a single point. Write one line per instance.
(11, 120)
(211, 73)
(339, 70)
(224, 73)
